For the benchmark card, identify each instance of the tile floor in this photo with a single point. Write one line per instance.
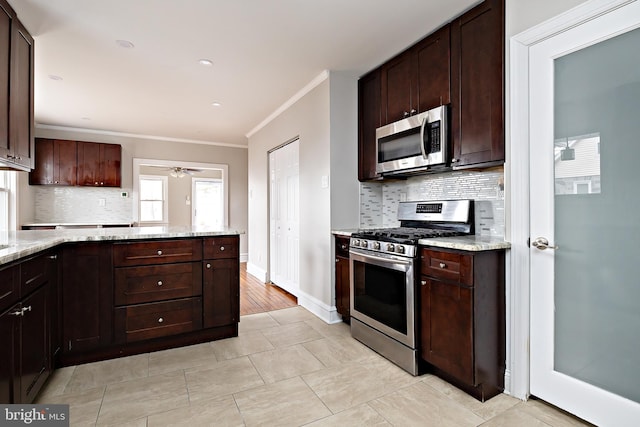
(286, 368)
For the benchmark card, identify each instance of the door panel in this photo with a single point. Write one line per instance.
(284, 217)
(585, 302)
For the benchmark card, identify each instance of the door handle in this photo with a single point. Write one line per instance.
(542, 244)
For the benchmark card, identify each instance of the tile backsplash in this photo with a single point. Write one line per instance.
(379, 200)
(82, 204)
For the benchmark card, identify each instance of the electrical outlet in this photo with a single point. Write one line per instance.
(102, 202)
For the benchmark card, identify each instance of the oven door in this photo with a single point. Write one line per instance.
(382, 293)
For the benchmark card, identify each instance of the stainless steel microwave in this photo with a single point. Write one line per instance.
(414, 144)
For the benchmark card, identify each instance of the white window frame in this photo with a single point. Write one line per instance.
(193, 198)
(165, 201)
(8, 219)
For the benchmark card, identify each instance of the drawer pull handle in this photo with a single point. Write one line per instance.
(159, 252)
(423, 282)
(208, 265)
(344, 247)
(222, 248)
(160, 320)
(443, 265)
(159, 282)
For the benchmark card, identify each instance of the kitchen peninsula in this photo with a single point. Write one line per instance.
(79, 295)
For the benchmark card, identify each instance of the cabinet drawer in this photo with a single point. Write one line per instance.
(134, 285)
(8, 287)
(221, 247)
(34, 272)
(342, 246)
(156, 252)
(448, 265)
(159, 319)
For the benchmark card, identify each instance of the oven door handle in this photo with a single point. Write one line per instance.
(382, 260)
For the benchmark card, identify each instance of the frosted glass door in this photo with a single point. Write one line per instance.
(585, 219)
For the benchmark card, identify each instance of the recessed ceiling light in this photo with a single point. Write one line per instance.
(216, 104)
(206, 62)
(124, 43)
(54, 77)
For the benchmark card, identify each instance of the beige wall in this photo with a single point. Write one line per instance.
(320, 132)
(235, 158)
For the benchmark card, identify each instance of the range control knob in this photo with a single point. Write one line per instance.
(390, 247)
(400, 249)
(356, 242)
(376, 246)
(364, 244)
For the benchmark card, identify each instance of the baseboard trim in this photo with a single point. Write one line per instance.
(257, 272)
(244, 257)
(325, 312)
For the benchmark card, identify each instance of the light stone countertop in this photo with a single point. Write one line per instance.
(20, 244)
(463, 243)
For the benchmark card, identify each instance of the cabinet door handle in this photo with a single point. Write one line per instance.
(413, 111)
(208, 265)
(26, 309)
(54, 257)
(159, 253)
(443, 265)
(222, 248)
(159, 282)
(18, 312)
(344, 247)
(423, 282)
(160, 320)
(405, 114)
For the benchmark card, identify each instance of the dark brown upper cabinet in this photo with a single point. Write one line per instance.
(99, 164)
(417, 79)
(461, 64)
(477, 86)
(16, 92)
(368, 122)
(56, 162)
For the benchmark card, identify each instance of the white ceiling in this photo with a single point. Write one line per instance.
(264, 52)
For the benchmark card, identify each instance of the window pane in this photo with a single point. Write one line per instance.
(151, 210)
(208, 203)
(151, 189)
(4, 210)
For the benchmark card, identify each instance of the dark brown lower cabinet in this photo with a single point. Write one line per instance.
(462, 318)
(87, 297)
(130, 297)
(342, 278)
(26, 330)
(34, 344)
(9, 344)
(221, 292)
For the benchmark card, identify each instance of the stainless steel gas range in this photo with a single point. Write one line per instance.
(384, 269)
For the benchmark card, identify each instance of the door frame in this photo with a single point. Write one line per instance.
(518, 176)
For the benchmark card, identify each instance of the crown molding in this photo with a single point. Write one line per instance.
(295, 98)
(137, 136)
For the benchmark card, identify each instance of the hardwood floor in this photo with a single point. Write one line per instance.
(258, 297)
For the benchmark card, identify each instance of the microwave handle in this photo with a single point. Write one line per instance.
(422, 147)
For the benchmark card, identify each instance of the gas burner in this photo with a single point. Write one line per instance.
(418, 220)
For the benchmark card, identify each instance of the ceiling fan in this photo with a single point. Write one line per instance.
(179, 172)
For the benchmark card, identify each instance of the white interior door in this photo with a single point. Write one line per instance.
(584, 150)
(284, 217)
